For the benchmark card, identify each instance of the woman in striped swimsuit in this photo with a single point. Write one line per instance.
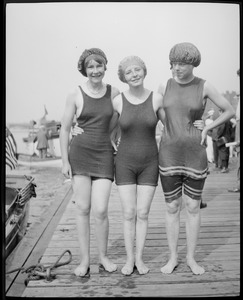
(182, 153)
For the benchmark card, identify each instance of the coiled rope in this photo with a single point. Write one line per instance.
(40, 271)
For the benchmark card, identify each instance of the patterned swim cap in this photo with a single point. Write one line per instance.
(186, 53)
(128, 61)
(92, 53)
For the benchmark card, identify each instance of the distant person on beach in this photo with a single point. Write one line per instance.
(42, 141)
(88, 160)
(183, 163)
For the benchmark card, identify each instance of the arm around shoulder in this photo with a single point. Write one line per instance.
(157, 102)
(161, 89)
(117, 103)
(114, 92)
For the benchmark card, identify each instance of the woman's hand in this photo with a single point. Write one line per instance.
(199, 124)
(76, 130)
(115, 145)
(66, 170)
(204, 137)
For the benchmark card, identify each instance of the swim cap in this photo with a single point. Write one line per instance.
(186, 53)
(128, 61)
(87, 55)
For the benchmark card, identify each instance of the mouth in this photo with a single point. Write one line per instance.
(97, 75)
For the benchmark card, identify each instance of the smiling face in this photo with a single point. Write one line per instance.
(95, 70)
(134, 75)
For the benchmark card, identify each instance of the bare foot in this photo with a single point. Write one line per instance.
(128, 269)
(169, 267)
(108, 265)
(142, 269)
(81, 271)
(196, 269)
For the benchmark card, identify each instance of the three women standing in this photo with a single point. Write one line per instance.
(182, 159)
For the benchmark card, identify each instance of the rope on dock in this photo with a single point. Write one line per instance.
(40, 271)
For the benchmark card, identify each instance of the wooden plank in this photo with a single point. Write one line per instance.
(213, 228)
(27, 253)
(131, 289)
(149, 244)
(212, 266)
(152, 278)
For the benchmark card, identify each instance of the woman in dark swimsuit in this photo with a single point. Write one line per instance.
(183, 162)
(88, 160)
(136, 162)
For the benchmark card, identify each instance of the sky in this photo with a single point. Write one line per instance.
(45, 40)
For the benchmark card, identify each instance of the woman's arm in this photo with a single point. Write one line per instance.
(113, 122)
(114, 92)
(161, 89)
(222, 103)
(114, 127)
(66, 123)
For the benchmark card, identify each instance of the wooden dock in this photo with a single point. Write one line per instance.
(218, 251)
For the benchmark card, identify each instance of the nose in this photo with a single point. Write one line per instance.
(134, 73)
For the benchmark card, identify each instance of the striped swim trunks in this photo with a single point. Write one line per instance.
(173, 187)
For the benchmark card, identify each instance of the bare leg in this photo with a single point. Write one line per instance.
(192, 232)
(81, 197)
(41, 153)
(45, 153)
(100, 198)
(144, 199)
(172, 220)
(127, 195)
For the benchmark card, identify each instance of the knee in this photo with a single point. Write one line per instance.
(129, 215)
(100, 214)
(142, 214)
(193, 206)
(82, 210)
(173, 207)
